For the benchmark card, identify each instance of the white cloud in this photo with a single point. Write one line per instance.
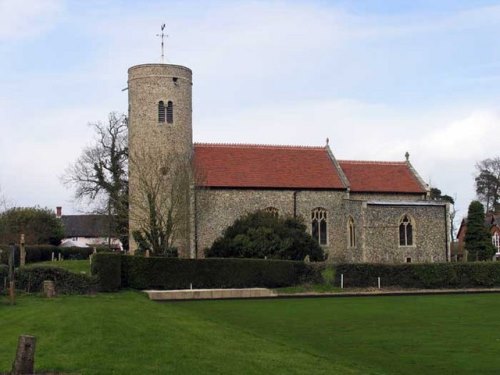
(27, 18)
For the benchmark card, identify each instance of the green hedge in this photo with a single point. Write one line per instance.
(425, 276)
(4, 272)
(107, 267)
(30, 279)
(172, 273)
(42, 253)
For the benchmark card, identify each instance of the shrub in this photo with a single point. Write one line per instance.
(433, 275)
(30, 279)
(107, 268)
(4, 273)
(264, 235)
(171, 273)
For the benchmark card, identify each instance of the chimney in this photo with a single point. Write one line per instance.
(58, 211)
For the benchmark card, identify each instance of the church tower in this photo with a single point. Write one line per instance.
(160, 126)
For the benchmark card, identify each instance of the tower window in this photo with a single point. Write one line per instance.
(405, 232)
(161, 111)
(319, 226)
(170, 112)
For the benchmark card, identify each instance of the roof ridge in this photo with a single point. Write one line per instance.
(372, 162)
(255, 145)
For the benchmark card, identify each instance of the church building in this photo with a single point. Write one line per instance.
(358, 211)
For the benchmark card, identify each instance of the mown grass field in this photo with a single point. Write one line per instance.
(125, 333)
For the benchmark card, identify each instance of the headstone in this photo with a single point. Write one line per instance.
(49, 288)
(307, 259)
(147, 254)
(24, 363)
(53, 256)
(59, 256)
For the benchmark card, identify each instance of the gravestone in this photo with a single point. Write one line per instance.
(49, 288)
(24, 363)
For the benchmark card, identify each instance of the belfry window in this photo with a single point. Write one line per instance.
(161, 111)
(352, 232)
(405, 232)
(319, 226)
(170, 112)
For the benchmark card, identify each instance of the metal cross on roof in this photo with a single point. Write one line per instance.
(162, 35)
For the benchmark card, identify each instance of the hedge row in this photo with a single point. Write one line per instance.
(30, 279)
(425, 276)
(172, 273)
(41, 253)
(108, 269)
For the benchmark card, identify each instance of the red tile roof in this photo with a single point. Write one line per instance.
(259, 166)
(381, 177)
(297, 167)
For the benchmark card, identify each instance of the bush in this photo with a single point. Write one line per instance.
(264, 235)
(171, 273)
(107, 268)
(30, 279)
(433, 275)
(4, 273)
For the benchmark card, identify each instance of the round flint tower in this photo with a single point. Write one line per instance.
(160, 118)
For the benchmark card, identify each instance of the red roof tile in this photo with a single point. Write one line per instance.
(381, 177)
(260, 166)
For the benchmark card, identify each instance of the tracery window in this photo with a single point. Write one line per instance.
(405, 232)
(352, 232)
(170, 112)
(161, 111)
(272, 210)
(319, 225)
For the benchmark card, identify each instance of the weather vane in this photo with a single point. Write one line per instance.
(162, 35)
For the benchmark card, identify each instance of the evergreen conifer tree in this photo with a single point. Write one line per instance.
(477, 237)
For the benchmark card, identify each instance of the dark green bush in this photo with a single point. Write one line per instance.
(171, 273)
(107, 268)
(30, 279)
(264, 235)
(425, 276)
(4, 273)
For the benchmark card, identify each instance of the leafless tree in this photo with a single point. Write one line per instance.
(100, 174)
(488, 183)
(161, 200)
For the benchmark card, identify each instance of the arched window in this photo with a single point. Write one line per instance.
(272, 210)
(405, 232)
(161, 111)
(170, 112)
(352, 232)
(319, 226)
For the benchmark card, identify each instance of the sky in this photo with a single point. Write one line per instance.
(378, 78)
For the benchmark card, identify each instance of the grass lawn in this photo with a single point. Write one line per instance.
(77, 266)
(125, 333)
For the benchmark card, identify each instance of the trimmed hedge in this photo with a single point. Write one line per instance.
(107, 267)
(30, 279)
(424, 276)
(172, 273)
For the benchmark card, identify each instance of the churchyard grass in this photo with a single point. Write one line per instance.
(125, 333)
(77, 266)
